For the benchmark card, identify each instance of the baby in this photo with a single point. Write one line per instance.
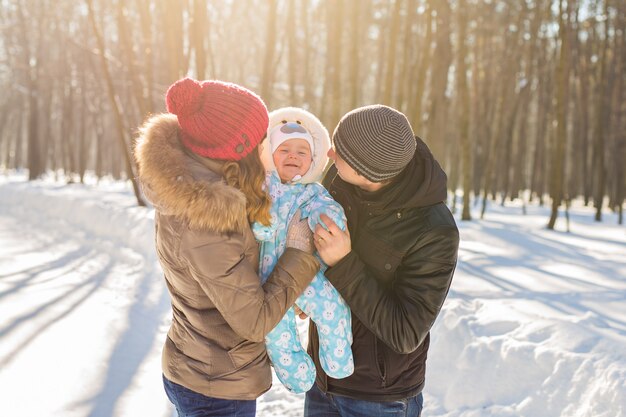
(294, 156)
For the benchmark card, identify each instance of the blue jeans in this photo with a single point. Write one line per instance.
(191, 404)
(318, 404)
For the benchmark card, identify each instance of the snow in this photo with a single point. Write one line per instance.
(534, 324)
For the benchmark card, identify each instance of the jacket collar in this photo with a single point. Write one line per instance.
(422, 183)
(185, 185)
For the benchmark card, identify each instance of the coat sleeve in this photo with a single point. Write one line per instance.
(218, 263)
(401, 314)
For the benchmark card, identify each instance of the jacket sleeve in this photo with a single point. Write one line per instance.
(218, 263)
(401, 314)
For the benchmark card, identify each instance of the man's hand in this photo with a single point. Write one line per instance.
(332, 244)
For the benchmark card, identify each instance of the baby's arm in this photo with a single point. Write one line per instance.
(325, 204)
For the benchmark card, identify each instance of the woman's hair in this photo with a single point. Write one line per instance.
(248, 175)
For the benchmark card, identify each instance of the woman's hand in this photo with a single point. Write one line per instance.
(332, 244)
(299, 235)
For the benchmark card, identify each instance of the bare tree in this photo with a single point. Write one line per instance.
(439, 106)
(31, 61)
(114, 104)
(390, 61)
(270, 48)
(599, 149)
(562, 78)
(199, 26)
(423, 56)
(465, 110)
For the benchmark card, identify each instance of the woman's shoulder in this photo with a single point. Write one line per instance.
(179, 185)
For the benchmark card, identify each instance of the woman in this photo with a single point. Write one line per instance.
(200, 167)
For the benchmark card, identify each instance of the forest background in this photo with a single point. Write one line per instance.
(518, 99)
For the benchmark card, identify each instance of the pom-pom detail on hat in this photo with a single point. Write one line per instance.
(184, 97)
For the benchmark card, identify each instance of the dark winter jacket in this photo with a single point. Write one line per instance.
(395, 279)
(221, 313)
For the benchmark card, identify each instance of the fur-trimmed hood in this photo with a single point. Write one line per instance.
(184, 185)
(319, 134)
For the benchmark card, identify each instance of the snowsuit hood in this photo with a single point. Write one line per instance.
(319, 134)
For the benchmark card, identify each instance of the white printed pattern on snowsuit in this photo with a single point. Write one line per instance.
(320, 300)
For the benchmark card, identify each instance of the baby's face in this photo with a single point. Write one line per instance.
(292, 157)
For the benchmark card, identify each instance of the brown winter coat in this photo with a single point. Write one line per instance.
(221, 313)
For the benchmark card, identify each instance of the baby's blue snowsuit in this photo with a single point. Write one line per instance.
(320, 300)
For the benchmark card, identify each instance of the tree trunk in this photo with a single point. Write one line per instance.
(354, 83)
(520, 180)
(562, 80)
(439, 83)
(618, 155)
(309, 97)
(293, 52)
(417, 86)
(390, 61)
(332, 84)
(502, 114)
(465, 110)
(68, 160)
(620, 127)
(34, 157)
(171, 15)
(145, 19)
(116, 110)
(267, 79)
(5, 143)
(199, 27)
(127, 45)
(408, 50)
(601, 120)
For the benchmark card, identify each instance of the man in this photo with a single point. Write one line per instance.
(393, 267)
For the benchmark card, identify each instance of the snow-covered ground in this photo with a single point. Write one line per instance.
(534, 325)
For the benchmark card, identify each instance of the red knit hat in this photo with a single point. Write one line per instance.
(218, 120)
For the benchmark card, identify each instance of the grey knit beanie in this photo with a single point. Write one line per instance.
(376, 141)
